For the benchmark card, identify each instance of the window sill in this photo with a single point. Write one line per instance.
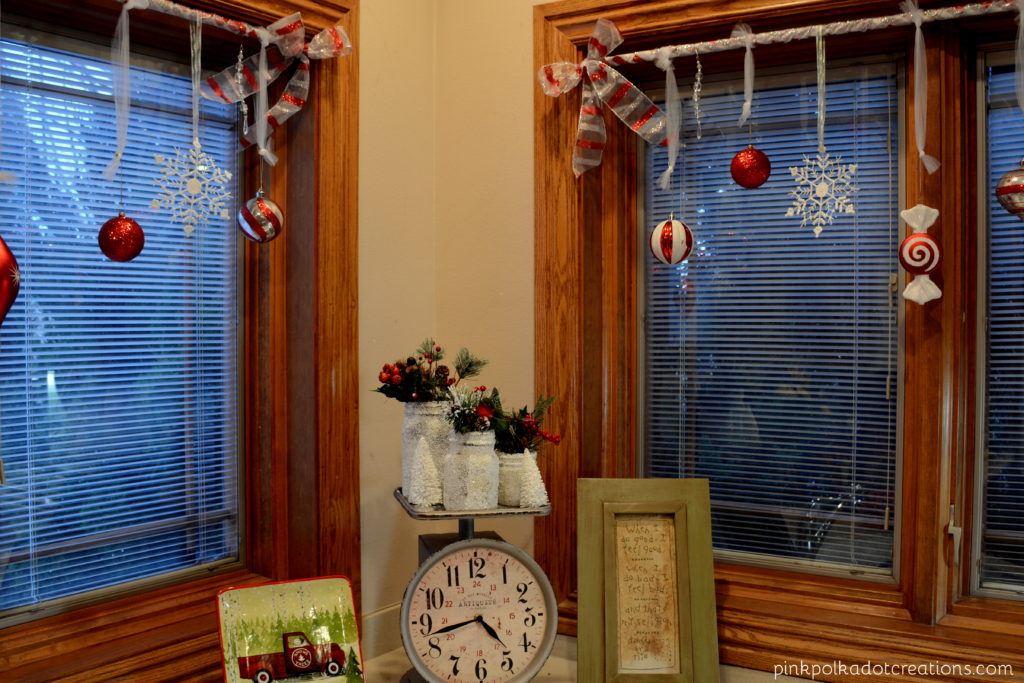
(165, 634)
(778, 620)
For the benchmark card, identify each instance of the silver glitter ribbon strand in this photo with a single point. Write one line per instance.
(602, 84)
(807, 32)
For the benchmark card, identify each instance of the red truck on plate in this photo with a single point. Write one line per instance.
(298, 657)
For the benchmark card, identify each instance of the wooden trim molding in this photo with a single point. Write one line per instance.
(586, 353)
(301, 464)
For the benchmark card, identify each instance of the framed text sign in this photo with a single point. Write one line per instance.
(646, 581)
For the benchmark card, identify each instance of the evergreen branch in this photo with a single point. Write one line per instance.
(467, 365)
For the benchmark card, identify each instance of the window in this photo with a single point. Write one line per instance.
(999, 549)
(949, 458)
(118, 381)
(770, 355)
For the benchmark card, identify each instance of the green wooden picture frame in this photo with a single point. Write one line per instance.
(646, 582)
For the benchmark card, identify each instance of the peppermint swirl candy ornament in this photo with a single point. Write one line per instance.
(1010, 191)
(260, 220)
(671, 241)
(920, 253)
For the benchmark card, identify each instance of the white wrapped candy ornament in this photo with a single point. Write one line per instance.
(260, 219)
(1010, 191)
(671, 241)
(920, 254)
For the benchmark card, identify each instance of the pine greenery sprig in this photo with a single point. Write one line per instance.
(467, 365)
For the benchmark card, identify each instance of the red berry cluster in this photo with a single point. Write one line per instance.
(533, 430)
(417, 378)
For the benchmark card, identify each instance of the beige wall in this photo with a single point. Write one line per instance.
(445, 237)
(445, 242)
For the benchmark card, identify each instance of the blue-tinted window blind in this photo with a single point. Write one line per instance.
(770, 354)
(1001, 562)
(118, 381)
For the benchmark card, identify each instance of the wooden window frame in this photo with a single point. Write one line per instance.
(585, 353)
(300, 481)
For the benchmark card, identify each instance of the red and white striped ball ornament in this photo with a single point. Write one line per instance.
(671, 241)
(920, 254)
(260, 219)
(1010, 191)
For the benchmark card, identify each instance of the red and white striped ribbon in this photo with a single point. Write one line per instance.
(287, 37)
(602, 83)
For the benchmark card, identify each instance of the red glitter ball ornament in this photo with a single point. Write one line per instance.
(10, 279)
(750, 167)
(121, 238)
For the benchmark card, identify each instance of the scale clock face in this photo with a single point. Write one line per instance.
(479, 610)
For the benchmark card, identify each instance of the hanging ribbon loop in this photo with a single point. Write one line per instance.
(910, 7)
(1019, 71)
(602, 84)
(120, 60)
(673, 115)
(281, 44)
(746, 34)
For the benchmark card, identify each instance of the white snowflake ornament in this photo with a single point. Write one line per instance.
(824, 189)
(192, 187)
(823, 184)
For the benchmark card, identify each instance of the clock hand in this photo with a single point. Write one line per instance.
(452, 627)
(490, 631)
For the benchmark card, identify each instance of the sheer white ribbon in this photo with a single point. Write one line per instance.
(744, 33)
(195, 34)
(1019, 66)
(673, 115)
(120, 61)
(261, 101)
(931, 164)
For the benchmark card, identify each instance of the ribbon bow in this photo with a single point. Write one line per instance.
(602, 83)
(284, 42)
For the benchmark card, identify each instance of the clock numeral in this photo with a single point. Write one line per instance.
(478, 584)
(435, 598)
(435, 648)
(453, 576)
(455, 666)
(426, 624)
(494, 587)
(480, 670)
(527, 643)
(476, 565)
(504, 572)
(507, 663)
(530, 619)
(522, 588)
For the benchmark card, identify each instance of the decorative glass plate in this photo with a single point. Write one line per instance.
(303, 630)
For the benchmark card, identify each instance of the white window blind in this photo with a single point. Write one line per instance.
(770, 355)
(118, 381)
(1000, 547)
